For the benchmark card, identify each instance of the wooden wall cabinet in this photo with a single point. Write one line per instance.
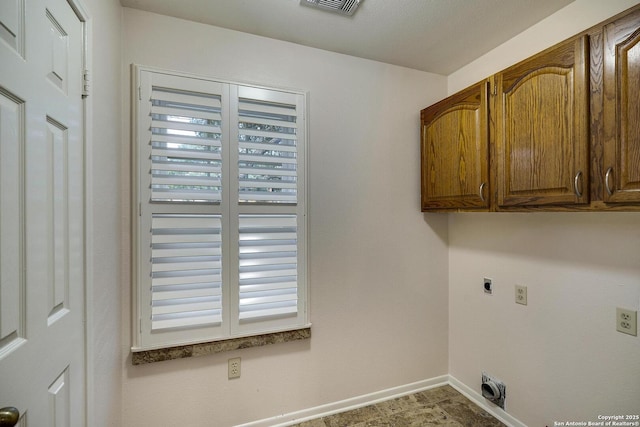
(455, 152)
(541, 131)
(621, 110)
(558, 131)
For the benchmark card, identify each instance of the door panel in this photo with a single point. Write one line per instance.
(12, 24)
(59, 405)
(42, 359)
(538, 158)
(12, 285)
(57, 148)
(58, 53)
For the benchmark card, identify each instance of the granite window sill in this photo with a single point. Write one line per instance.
(203, 349)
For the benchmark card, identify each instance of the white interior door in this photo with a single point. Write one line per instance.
(42, 351)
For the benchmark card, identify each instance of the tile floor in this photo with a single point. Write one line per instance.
(441, 406)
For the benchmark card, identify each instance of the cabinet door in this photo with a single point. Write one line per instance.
(621, 110)
(455, 153)
(541, 128)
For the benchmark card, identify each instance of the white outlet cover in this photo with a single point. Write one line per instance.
(627, 321)
(234, 368)
(521, 294)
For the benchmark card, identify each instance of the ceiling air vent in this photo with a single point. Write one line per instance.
(343, 7)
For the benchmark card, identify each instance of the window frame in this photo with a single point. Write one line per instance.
(230, 208)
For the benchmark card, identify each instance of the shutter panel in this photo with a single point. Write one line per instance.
(186, 146)
(268, 266)
(186, 279)
(267, 144)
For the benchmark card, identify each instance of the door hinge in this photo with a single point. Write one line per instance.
(495, 90)
(139, 209)
(85, 83)
(139, 93)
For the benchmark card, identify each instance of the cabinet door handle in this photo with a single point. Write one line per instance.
(606, 181)
(576, 181)
(481, 192)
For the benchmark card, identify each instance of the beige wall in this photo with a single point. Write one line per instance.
(560, 356)
(395, 295)
(377, 266)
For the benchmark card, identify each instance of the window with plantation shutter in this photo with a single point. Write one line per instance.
(220, 236)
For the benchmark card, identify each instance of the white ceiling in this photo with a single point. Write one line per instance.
(438, 36)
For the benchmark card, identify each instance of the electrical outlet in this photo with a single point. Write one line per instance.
(521, 294)
(234, 368)
(627, 321)
(488, 287)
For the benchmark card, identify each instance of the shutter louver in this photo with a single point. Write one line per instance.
(267, 145)
(268, 266)
(185, 146)
(186, 280)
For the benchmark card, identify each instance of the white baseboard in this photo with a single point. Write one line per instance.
(348, 404)
(477, 398)
(382, 395)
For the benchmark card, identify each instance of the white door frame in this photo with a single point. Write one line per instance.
(87, 61)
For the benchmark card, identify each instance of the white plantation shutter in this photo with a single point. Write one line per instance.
(186, 279)
(220, 196)
(268, 266)
(267, 143)
(185, 146)
(270, 208)
(181, 232)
